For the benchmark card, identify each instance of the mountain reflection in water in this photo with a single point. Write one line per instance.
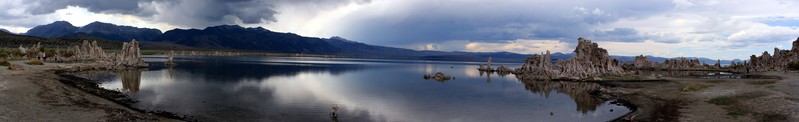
(304, 89)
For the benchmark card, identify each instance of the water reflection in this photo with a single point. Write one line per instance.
(578, 91)
(131, 79)
(290, 91)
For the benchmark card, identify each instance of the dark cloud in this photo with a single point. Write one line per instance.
(427, 21)
(187, 13)
(620, 35)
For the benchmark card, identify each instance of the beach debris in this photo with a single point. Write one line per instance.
(438, 76)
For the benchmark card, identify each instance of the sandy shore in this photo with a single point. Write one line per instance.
(35, 94)
(711, 100)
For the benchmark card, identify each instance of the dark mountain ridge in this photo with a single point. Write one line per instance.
(97, 29)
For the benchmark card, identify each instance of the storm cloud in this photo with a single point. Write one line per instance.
(186, 13)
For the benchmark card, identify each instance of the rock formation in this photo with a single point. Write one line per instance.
(486, 67)
(129, 56)
(777, 62)
(438, 76)
(87, 51)
(681, 64)
(538, 67)
(641, 62)
(170, 61)
(589, 61)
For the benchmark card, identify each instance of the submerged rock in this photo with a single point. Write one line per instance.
(437, 76)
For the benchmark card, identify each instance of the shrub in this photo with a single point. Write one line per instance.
(721, 101)
(34, 62)
(793, 66)
(765, 82)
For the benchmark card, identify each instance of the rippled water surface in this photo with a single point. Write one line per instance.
(305, 89)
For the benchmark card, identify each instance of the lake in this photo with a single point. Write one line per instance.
(305, 88)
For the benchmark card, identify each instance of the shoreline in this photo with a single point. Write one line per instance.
(676, 99)
(37, 94)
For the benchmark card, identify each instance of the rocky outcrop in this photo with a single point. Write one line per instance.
(486, 67)
(128, 57)
(170, 60)
(87, 51)
(538, 67)
(681, 64)
(438, 76)
(641, 62)
(766, 62)
(589, 61)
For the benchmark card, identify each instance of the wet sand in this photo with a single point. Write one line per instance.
(35, 94)
(715, 100)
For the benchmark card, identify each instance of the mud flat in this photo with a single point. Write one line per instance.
(35, 94)
(708, 99)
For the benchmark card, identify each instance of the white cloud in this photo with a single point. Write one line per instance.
(519, 46)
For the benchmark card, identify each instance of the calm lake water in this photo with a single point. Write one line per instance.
(305, 89)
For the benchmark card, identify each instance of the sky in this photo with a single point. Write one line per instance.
(719, 29)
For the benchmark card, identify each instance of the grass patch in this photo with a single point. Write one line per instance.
(721, 101)
(715, 81)
(764, 82)
(773, 117)
(734, 113)
(694, 87)
(793, 65)
(34, 62)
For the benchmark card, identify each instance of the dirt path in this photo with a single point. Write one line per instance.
(35, 94)
(722, 100)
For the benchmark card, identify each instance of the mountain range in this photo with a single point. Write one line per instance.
(97, 29)
(234, 37)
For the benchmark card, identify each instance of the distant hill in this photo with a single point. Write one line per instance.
(234, 37)
(55, 29)
(4, 30)
(120, 33)
(96, 29)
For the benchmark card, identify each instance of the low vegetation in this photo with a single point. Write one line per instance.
(729, 104)
(694, 87)
(764, 82)
(34, 62)
(715, 81)
(721, 101)
(793, 65)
